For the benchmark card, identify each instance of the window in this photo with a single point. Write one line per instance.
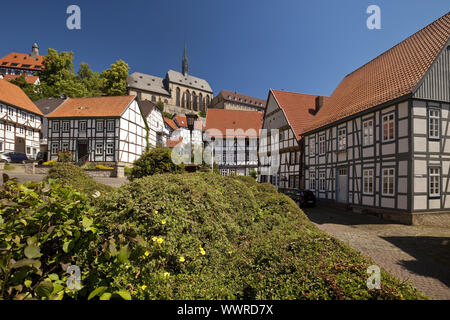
(321, 144)
(31, 118)
(28, 150)
(434, 182)
(11, 111)
(433, 124)
(110, 125)
(312, 181)
(110, 148)
(322, 181)
(312, 146)
(1, 145)
(368, 181)
(99, 148)
(21, 130)
(368, 132)
(82, 127)
(65, 126)
(24, 115)
(388, 127)
(55, 126)
(342, 139)
(65, 147)
(9, 127)
(99, 125)
(292, 156)
(30, 132)
(388, 181)
(55, 147)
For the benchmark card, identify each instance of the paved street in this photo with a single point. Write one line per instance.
(416, 253)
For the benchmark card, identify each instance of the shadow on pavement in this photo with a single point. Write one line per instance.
(432, 255)
(327, 214)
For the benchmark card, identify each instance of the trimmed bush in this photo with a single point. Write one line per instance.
(155, 161)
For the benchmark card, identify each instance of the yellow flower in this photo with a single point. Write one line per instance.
(230, 252)
(182, 259)
(166, 274)
(155, 212)
(202, 251)
(144, 287)
(154, 239)
(146, 253)
(163, 222)
(160, 240)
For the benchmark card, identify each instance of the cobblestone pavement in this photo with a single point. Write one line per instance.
(22, 177)
(420, 254)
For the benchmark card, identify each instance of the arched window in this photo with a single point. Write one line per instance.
(188, 100)
(200, 101)
(207, 101)
(153, 98)
(194, 101)
(178, 97)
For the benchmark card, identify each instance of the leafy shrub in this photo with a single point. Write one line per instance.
(127, 171)
(253, 174)
(74, 176)
(158, 160)
(202, 114)
(65, 156)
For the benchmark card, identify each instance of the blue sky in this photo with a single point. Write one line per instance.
(247, 46)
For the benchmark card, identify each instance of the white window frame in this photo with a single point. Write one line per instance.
(387, 120)
(54, 147)
(108, 124)
(65, 147)
(342, 139)
(368, 132)
(312, 181)
(434, 123)
(66, 126)
(110, 146)
(322, 141)
(81, 124)
(97, 146)
(312, 146)
(97, 123)
(389, 175)
(322, 181)
(55, 126)
(434, 182)
(368, 181)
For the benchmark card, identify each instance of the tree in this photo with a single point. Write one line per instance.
(115, 79)
(160, 106)
(57, 67)
(34, 92)
(91, 80)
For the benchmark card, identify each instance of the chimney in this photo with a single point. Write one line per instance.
(319, 103)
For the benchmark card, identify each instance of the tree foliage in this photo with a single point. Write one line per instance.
(157, 160)
(115, 79)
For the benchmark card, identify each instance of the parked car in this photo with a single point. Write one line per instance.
(14, 157)
(42, 157)
(304, 198)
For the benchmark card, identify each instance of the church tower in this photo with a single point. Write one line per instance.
(184, 64)
(34, 50)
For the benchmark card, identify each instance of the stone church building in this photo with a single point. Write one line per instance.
(180, 92)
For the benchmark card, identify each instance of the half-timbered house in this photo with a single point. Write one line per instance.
(100, 129)
(20, 121)
(232, 136)
(382, 141)
(281, 146)
(158, 133)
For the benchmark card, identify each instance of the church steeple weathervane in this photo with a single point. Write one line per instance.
(184, 64)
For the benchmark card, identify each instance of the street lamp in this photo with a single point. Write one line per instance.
(191, 118)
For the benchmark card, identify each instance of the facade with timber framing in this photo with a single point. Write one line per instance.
(382, 141)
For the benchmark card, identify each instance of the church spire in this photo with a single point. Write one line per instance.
(184, 64)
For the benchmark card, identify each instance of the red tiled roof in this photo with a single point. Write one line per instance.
(219, 120)
(181, 121)
(93, 107)
(22, 61)
(391, 75)
(242, 98)
(299, 108)
(28, 79)
(171, 123)
(13, 95)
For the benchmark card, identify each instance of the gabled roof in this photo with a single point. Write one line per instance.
(147, 82)
(28, 79)
(393, 74)
(22, 61)
(188, 80)
(181, 122)
(13, 95)
(219, 120)
(170, 123)
(48, 105)
(299, 108)
(242, 98)
(147, 107)
(92, 107)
